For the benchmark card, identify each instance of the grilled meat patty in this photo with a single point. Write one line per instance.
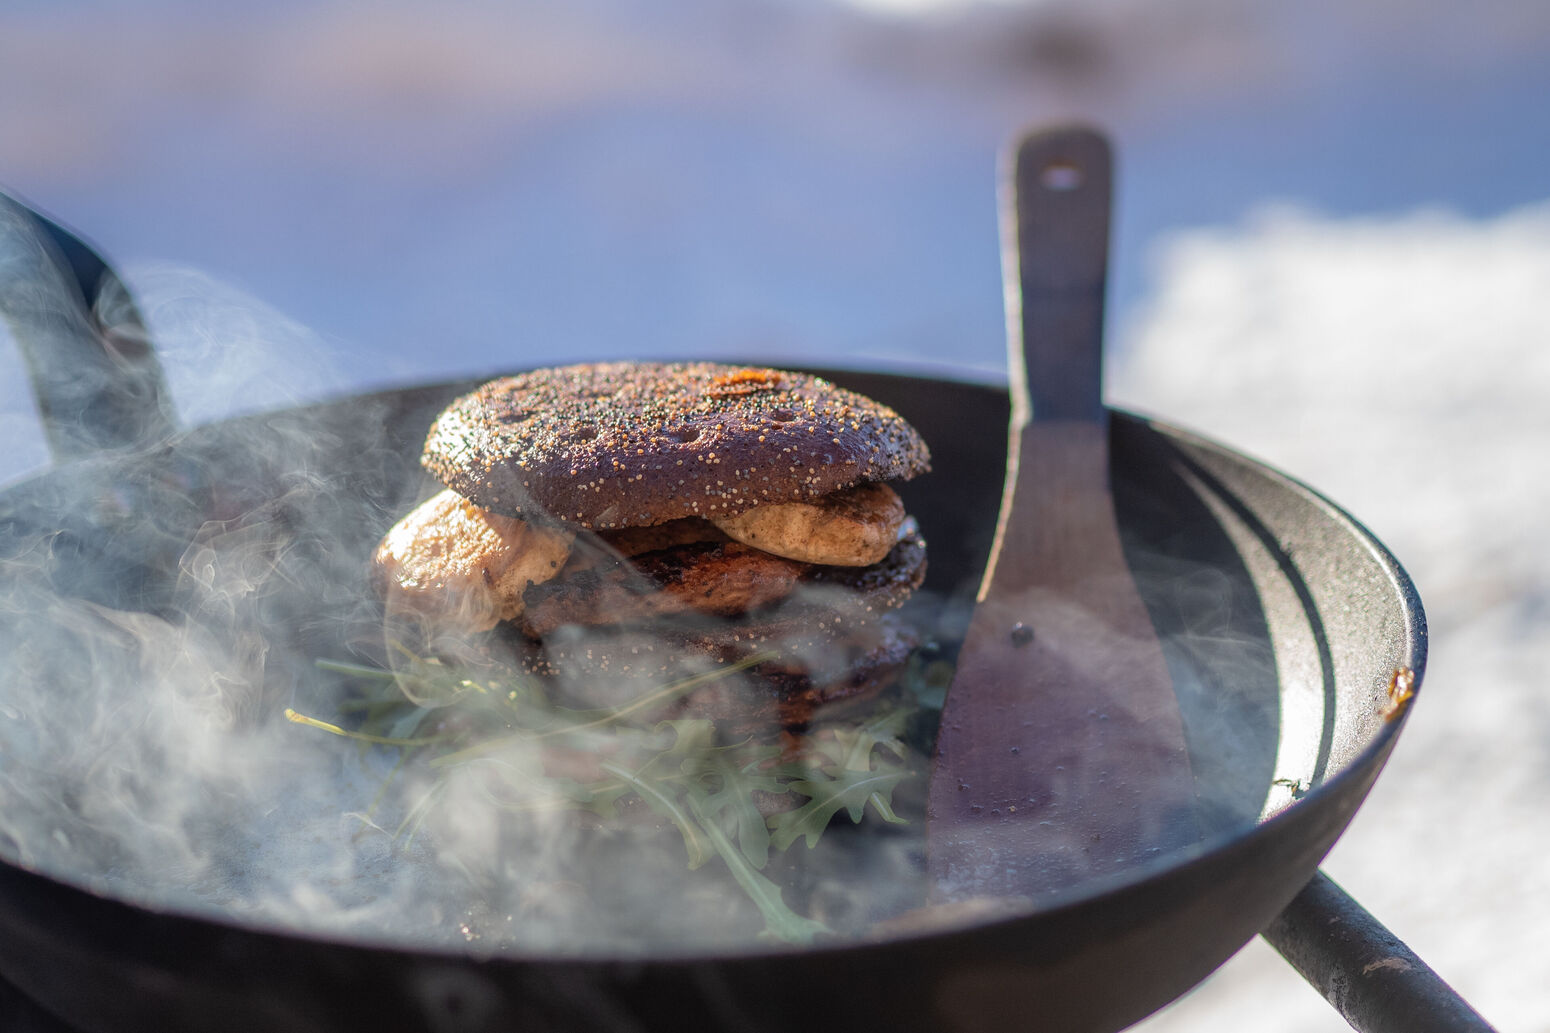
(632, 541)
(611, 667)
(722, 579)
(829, 605)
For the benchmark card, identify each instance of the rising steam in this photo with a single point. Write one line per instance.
(161, 612)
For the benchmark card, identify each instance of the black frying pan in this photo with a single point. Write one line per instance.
(1278, 571)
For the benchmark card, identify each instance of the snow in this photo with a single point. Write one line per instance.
(1399, 364)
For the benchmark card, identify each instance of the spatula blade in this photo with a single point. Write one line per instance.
(1061, 754)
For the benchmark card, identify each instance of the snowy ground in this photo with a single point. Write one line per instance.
(1332, 251)
(1416, 399)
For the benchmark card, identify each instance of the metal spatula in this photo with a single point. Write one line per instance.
(1061, 754)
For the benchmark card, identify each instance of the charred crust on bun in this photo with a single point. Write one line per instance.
(628, 444)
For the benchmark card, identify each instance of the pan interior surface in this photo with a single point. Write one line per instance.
(188, 593)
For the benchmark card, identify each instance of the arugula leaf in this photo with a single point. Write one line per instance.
(734, 799)
(669, 807)
(850, 749)
(780, 922)
(691, 736)
(849, 790)
(603, 801)
(408, 723)
(708, 792)
(883, 805)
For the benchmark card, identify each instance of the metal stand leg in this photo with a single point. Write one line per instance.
(1361, 968)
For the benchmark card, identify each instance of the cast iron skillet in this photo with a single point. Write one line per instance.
(1266, 561)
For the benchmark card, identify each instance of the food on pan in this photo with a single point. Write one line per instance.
(619, 519)
(655, 596)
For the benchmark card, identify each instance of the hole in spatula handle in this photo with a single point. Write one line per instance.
(1060, 176)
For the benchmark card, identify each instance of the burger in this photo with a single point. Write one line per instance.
(614, 526)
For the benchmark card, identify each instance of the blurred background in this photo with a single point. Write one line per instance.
(1332, 251)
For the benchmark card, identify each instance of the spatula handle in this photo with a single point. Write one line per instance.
(1056, 193)
(1059, 187)
(1060, 754)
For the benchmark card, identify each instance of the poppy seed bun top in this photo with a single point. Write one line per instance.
(628, 444)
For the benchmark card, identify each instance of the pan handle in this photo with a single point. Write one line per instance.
(1374, 981)
(95, 376)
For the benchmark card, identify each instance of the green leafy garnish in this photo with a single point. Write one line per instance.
(849, 791)
(714, 793)
(780, 922)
